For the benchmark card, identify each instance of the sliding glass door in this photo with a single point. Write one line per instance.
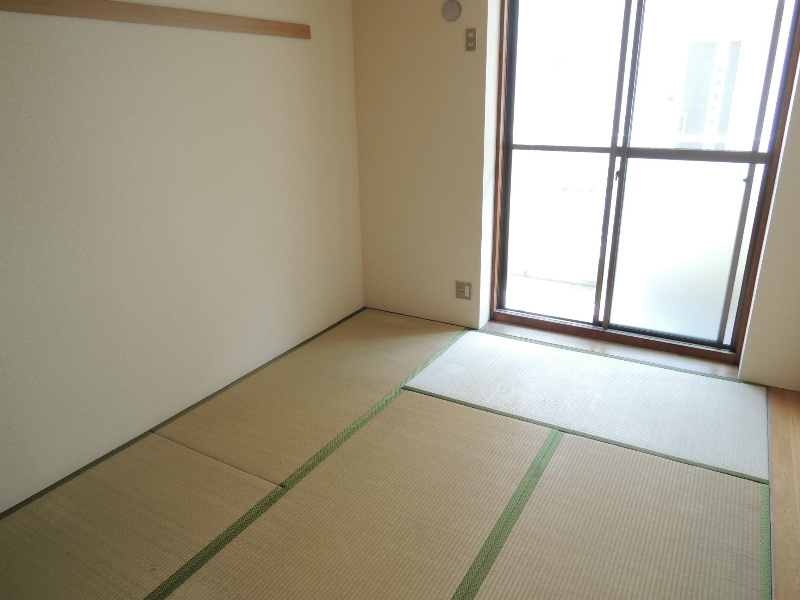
(636, 144)
(565, 100)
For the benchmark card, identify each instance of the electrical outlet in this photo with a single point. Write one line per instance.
(464, 290)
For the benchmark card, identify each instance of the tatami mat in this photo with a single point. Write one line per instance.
(705, 420)
(610, 523)
(400, 511)
(122, 527)
(272, 422)
(419, 497)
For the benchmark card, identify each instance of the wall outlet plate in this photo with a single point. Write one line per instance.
(464, 290)
(472, 38)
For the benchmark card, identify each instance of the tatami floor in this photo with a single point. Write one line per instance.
(322, 476)
(784, 408)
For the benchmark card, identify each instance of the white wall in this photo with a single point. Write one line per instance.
(771, 352)
(176, 208)
(423, 138)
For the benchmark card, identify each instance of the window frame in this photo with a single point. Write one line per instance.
(504, 148)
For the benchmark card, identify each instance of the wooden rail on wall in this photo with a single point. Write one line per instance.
(128, 12)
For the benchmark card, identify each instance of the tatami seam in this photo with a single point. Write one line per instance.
(194, 564)
(766, 545)
(215, 459)
(596, 438)
(475, 576)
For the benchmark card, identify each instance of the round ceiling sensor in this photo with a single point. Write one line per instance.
(451, 10)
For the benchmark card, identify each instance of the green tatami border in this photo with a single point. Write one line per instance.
(766, 545)
(174, 581)
(589, 436)
(326, 450)
(472, 581)
(623, 358)
(194, 564)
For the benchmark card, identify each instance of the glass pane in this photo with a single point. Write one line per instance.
(701, 73)
(677, 235)
(567, 62)
(556, 220)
